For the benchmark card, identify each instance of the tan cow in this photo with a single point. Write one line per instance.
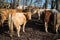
(58, 21)
(16, 16)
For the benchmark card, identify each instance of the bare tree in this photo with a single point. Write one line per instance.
(18, 2)
(59, 5)
(56, 1)
(38, 2)
(46, 3)
(26, 2)
(52, 4)
(30, 2)
(15, 2)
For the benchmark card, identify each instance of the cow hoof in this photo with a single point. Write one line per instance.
(57, 32)
(23, 31)
(18, 35)
(11, 36)
(38, 19)
(8, 31)
(46, 31)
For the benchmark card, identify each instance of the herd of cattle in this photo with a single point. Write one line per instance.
(20, 17)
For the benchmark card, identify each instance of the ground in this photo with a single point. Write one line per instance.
(34, 31)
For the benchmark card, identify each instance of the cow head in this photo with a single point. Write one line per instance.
(28, 15)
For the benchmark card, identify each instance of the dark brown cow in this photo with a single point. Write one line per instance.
(46, 19)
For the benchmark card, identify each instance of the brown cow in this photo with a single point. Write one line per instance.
(46, 19)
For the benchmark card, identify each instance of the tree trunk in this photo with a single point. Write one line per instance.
(14, 3)
(46, 3)
(56, 1)
(26, 2)
(52, 4)
(30, 3)
(23, 4)
(19, 2)
(59, 5)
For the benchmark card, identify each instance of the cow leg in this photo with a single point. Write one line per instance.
(10, 24)
(10, 29)
(57, 28)
(46, 26)
(3, 19)
(38, 16)
(24, 26)
(18, 30)
(2, 22)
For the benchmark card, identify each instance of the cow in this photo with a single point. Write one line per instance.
(56, 19)
(16, 16)
(35, 10)
(47, 13)
(4, 14)
(21, 7)
(46, 19)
